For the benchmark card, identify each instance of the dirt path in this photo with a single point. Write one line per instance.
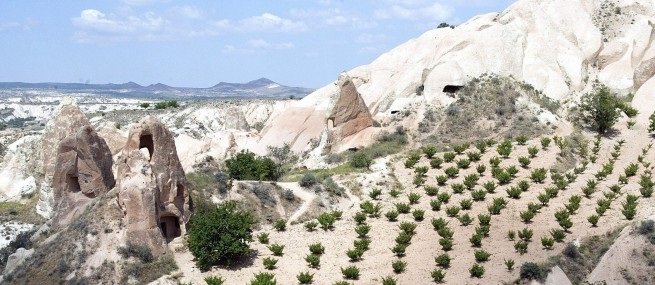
(307, 197)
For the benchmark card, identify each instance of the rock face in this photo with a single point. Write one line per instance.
(67, 121)
(152, 186)
(83, 170)
(350, 114)
(16, 258)
(587, 40)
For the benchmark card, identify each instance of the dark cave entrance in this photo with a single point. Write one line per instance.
(145, 141)
(180, 190)
(73, 183)
(452, 88)
(170, 227)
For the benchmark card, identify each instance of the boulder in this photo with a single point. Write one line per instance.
(83, 171)
(152, 186)
(16, 258)
(349, 114)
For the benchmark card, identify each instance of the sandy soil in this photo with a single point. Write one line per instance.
(420, 255)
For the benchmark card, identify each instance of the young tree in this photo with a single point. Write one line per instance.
(599, 110)
(651, 126)
(219, 235)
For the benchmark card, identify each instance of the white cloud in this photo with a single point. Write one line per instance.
(332, 17)
(94, 25)
(190, 12)
(257, 45)
(270, 22)
(414, 10)
(25, 25)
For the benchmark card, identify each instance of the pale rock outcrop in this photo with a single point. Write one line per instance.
(18, 168)
(67, 121)
(350, 114)
(152, 186)
(83, 171)
(16, 259)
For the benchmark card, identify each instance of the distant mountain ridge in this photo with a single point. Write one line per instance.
(259, 88)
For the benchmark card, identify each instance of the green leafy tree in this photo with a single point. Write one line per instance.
(219, 235)
(246, 166)
(599, 110)
(361, 160)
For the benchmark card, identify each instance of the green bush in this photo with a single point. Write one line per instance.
(305, 278)
(326, 220)
(533, 151)
(316, 248)
(407, 227)
(531, 271)
(361, 160)
(262, 238)
(263, 278)
(451, 172)
(443, 260)
(547, 242)
(538, 175)
(362, 230)
(362, 244)
(446, 244)
(398, 266)
(449, 156)
(308, 180)
(435, 205)
(651, 125)
(429, 151)
(313, 260)
(438, 275)
(310, 226)
(280, 225)
(599, 110)
(545, 142)
(219, 235)
(276, 249)
(402, 208)
(214, 280)
(418, 214)
(350, 272)
(477, 270)
(481, 255)
(389, 281)
(509, 264)
(269, 263)
(524, 161)
(166, 104)
(463, 163)
(436, 162)
(139, 251)
(504, 149)
(246, 166)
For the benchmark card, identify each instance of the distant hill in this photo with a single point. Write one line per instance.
(260, 88)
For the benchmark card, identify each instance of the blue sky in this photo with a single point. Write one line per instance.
(200, 43)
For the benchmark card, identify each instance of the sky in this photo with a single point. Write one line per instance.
(303, 43)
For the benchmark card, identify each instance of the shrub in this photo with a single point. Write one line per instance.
(245, 165)
(531, 271)
(308, 180)
(214, 280)
(359, 217)
(263, 278)
(509, 264)
(651, 125)
(463, 163)
(524, 161)
(494, 162)
(399, 249)
(504, 149)
(481, 255)
(139, 251)
(631, 170)
(533, 151)
(439, 224)
(326, 220)
(490, 186)
(545, 142)
(375, 193)
(399, 266)
(262, 238)
(280, 225)
(471, 180)
(362, 230)
(465, 220)
(313, 260)
(513, 192)
(402, 208)
(466, 204)
(436, 162)
(593, 220)
(446, 244)
(355, 254)
(511, 235)
(305, 278)
(310, 226)
(442, 179)
(476, 240)
(276, 249)
(525, 234)
(361, 160)
(413, 198)
(362, 244)
(547, 242)
(457, 188)
(270, 263)
(460, 148)
(438, 275)
(317, 248)
(478, 195)
(429, 150)
(451, 172)
(443, 260)
(527, 216)
(443, 197)
(503, 177)
(598, 110)
(449, 156)
(452, 211)
(219, 235)
(477, 270)
(473, 155)
(418, 214)
(481, 146)
(350, 272)
(538, 175)
(392, 215)
(481, 169)
(389, 281)
(431, 190)
(521, 247)
(407, 227)
(435, 205)
(571, 251)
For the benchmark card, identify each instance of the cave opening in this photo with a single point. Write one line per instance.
(145, 141)
(73, 183)
(452, 88)
(170, 227)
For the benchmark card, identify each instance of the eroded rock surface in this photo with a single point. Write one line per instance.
(350, 114)
(152, 186)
